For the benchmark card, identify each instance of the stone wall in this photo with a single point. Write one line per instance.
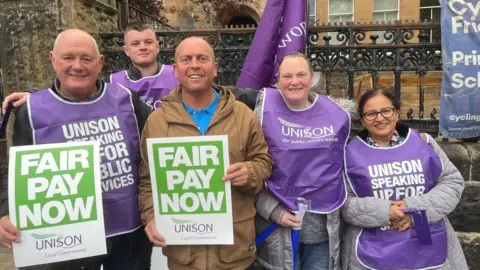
(190, 16)
(94, 18)
(471, 244)
(28, 29)
(465, 218)
(27, 33)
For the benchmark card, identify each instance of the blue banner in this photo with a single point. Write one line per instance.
(460, 99)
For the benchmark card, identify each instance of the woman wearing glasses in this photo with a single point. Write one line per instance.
(393, 170)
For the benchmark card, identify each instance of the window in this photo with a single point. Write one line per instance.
(312, 11)
(430, 11)
(339, 11)
(384, 11)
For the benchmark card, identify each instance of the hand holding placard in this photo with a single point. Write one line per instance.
(8, 232)
(153, 235)
(237, 174)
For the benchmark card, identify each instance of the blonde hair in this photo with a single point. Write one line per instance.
(297, 55)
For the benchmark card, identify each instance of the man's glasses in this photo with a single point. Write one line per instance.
(385, 112)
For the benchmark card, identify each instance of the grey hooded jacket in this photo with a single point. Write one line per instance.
(275, 252)
(372, 212)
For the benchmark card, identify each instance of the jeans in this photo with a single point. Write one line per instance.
(313, 256)
(130, 251)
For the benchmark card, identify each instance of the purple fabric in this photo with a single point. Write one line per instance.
(307, 147)
(150, 89)
(282, 30)
(110, 120)
(406, 170)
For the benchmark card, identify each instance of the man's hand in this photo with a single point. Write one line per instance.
(287, 219)
(20, 97)
(237, 174)
(8, 233)
(153, 235)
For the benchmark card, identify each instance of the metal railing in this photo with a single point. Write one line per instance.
(129, 13)
(407, 48)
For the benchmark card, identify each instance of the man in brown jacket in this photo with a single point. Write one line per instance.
(198, 107)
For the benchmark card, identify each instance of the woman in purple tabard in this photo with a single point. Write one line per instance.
(392, 169)
(306, 135)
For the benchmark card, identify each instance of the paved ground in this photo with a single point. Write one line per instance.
(6, 259)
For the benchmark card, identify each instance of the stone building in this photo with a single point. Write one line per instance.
(320, 11)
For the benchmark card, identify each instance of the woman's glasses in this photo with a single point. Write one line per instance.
(385, 112)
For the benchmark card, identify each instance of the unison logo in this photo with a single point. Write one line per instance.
(47, 241)
(299, 131)
(191, 226)
(151, 103)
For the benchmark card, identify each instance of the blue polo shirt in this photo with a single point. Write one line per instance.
(202, 117)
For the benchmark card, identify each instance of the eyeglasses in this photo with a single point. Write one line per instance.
(385, 112)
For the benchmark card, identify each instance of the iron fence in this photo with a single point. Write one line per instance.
(128, 13)
(351, 49)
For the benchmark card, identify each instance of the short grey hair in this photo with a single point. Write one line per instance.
(55, 45)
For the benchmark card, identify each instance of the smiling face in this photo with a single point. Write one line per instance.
(380, 117)
(195, 66)
(77, 63)
(294, 81)
(141, 47)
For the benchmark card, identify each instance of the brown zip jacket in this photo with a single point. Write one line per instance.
(246, 144)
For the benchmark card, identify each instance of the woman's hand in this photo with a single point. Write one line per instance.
(287, 219)
(403, 224)
(398, 219)
(395, 214)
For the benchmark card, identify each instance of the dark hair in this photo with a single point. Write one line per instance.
(137, 26)
(374, 92)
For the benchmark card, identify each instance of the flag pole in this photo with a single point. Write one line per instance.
(307, 23)
(4, 122)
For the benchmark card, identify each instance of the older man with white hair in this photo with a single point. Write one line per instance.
(78, 96)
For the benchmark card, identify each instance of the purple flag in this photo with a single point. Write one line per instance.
(282, 30)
